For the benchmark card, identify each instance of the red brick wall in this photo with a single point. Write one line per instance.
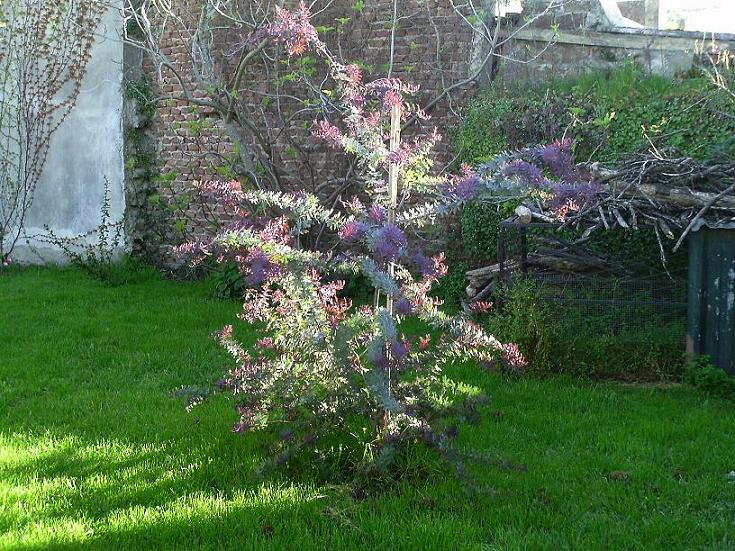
(364, 39)
(433, 49)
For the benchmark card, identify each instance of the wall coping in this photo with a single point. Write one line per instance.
(625, 38)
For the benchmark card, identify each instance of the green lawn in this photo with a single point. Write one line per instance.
(95, 452)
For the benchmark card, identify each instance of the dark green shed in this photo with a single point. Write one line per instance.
(711, 328)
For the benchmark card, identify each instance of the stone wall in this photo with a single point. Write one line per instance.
(85, 150)
(582, 50)
(579, 38)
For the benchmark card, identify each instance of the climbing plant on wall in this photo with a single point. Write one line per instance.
(44, 51)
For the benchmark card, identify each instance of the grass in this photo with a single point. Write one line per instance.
(94, 451)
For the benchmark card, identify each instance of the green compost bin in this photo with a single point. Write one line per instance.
(711, 325)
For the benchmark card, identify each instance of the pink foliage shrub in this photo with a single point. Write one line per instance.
(325, 375)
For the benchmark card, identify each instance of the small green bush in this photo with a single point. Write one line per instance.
(452, 287)
(609, 116)
(480, 228)
(358, 289)
(530, 320)
(127, 271)
(711, 380)
(227, 282)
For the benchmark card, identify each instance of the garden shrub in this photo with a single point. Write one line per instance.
(557, 338)
(480, 228)
(126, 270)
(358, 288)
(607, 115)
(686, 114)
(330, 383)
(227, 282)
(713, 381)
(522, 313)
(451, 288)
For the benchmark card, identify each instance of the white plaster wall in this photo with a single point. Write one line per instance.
(85, 150)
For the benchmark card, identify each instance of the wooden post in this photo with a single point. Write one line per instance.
(395, 144)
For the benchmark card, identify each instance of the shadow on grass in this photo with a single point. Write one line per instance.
(152, 495)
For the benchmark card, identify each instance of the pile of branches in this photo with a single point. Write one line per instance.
(672, 196)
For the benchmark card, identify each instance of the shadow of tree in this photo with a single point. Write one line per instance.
(146, 494)
(94, 451)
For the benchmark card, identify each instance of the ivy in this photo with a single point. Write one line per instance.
(609, 116)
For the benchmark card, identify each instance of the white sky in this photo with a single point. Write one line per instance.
(697, 15)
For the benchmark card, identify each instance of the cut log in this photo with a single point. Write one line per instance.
(566, 262)
(479, 283)
(486, 292)
(524, 214)
(482, 272)
(679, 196)
(479, 278)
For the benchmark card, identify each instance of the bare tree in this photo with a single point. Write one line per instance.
(44, 51)
(235, 75)
(236, 104)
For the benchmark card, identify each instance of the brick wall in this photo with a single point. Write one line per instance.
(433, 48)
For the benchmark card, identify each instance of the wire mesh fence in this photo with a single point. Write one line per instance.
(605, 281)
